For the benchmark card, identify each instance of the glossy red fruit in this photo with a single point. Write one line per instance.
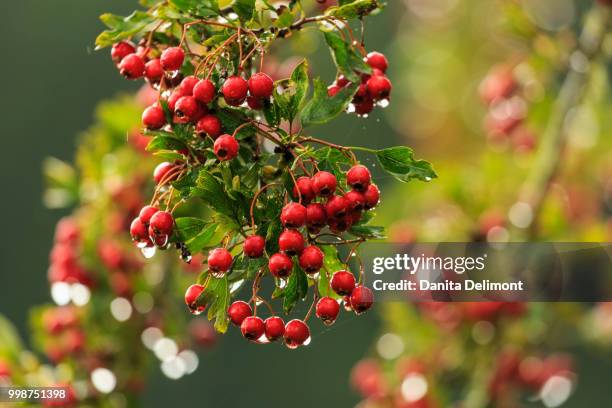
(132, 67)
(291, 242)
(187, 85)
(254, 246)
(173, 98)
(293, 215)
(333, 90)
(234, 90)
(304, 185)
(191, 298)
(204, 91)
(359, 178)
(219, 260)
(379, 87)
(372, 196)
(146, 213)
(356, 201)
(275, 328)
(255, 103)
(337, 207)
(327, 310)
(337, 225)
(280, 265)
(187, 107)
(153, 71)
(261, 85)
(209, 125)
(364, 106)
(341, 81)
(311, 259)
(161, 172)
(226, 147)
(121, 50)
(162, 223)
(362, 299)
(316, 216)
(238, 311)
(172, 58)
(324, 183)
(153, 117)
(138, 230)
(252, 328)
(296, 333)
(343, 283)
(377, 60)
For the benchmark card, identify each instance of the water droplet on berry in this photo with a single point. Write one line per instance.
(291, 345)
(282, 283)
(263, 339)
(196, 311)
(307, 341)
(148, 251)
(350, 108)
(383, 103)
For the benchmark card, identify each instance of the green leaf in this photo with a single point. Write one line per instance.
(354, 9)
(165, 142)
(121, 28)
(10, 342)
(211, 191)
(285, 19)
(217, 294)
(200, 8)
(322, 108)
(189, 227)
(348, 61)
(331, 264)
(399, 162)
(296, 289)
(289, 94)
(368, 231)
(244, 9)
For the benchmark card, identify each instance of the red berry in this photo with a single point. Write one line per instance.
(275, 328)
(219, 260)
(238, 311)
(255, 103)
(67, 231)
(356, 201)
(343, 283)
(372, 195)
(172, 58)
(146, 213)
(174, 97)
(498, 84)
(261, 85)
(379, 87)
(333, 90)
(187, 107)
(153, 117)
(154, 71)
(226, 147)
(209, 125)
(235, 90)
(362, 299)
(254, 246)
(337, 225)
(316, 216)
(358, 178)
(191, 298)
(132, 67)
(293, 215)
(296, 333)
(187, 85)
(364, 106)
(342, 81)
(280, 265)
(291, 242)
(138, 230)
(324, 183)
(327, 310)
(162, 223)
(252, 328)
(161, 172)
(121, 50)
(337, 207)
(311, 259)
(204, 91)
(304, 185)
(377, 60)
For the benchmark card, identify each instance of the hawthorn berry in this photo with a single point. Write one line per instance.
(191, 298)
(209, 125)
(372, 196)
(280, 265)
(226, 147)
(377, 60)
(153, 71)
(161, 172)
(173, 98)
(238, 311)
(204, 91)
(337, 206)
(303, 185)
(187, 85)
(132, 67)
(343, 283)
(364, 106)
(356, 201)
(324, 184)
(153, 117)
(341, 81)
(379, 87)
(146, 213)
(219, 260)
(296, 333)
(311, 259)
(291, 242)
(121, 50)
(359, 178)
(162, 223)
(187, 107)
(172, 58)
(234, 90)
(293, 215)
(252, 328)
(274, 328)
(254, 246)
(261, 85)
(327, 310)
(139, 231)
(255, 103)
(341, 224)
(67, 231)
(362, 299)
(316, 216)
(333, 90)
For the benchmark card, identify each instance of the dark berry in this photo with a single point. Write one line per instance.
(356, 201)
(316, 216)
(255, 103)
(337, 207)
(187, 107)
(226, 147)
(280, 265)
(364, 106)
(343, 283)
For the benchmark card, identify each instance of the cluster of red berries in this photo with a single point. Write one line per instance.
(373, 89)
(64, 257)
(64, 336)
(152, 228)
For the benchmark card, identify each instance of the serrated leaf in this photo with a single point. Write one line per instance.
(296, 289)
(189, 227)
(244, 9)
(217, 294)
(211, 191)
(165, 142)
(348, 61)
(400, 163)
(289, 94)
(331, 265)
(368, 231)
(121, 28)
(354, 9)
(322, 108)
